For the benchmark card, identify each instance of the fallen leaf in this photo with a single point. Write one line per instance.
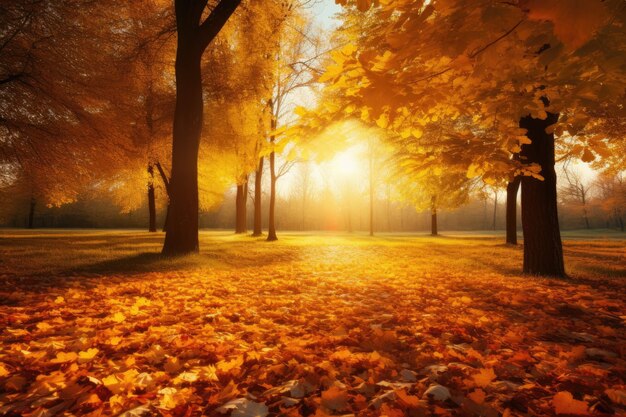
(242, 407)
(335, 398)
(63, 357)
(478, 396)
(484, 377)
(564, 403)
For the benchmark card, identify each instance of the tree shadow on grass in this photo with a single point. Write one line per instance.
(144, 262)
(106, 272)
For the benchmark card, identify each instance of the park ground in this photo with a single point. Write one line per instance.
(96, 323)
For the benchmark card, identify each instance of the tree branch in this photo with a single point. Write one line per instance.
(216, 21)
(164, 177)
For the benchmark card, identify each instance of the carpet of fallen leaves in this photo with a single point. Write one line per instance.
(332, 326)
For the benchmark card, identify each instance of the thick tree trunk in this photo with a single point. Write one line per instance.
(31, 213)
(433, 218)
(182, 228)
(511, 210)
(495, 210)
(167, 218)
(258, 200)
(151, 201)
(543, 251)
(241, 204)
(151, 209)
(194, 35)
(271, 230)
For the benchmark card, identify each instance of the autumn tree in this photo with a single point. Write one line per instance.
(59, 126)
(508, 73)
(611, 192)
(195, 33)
(576, 191)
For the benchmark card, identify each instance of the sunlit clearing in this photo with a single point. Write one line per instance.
(347, 163)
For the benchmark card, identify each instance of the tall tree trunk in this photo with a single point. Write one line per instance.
(271, 230)
(586, 217)
(194, 34)
(495, 210)
(166, 184)
(31, 213)
(182, 228)
(167, 218)
(485, 213)
(618, 220)
(241, 216)
(583, 193)
(151, 201)
(511, 210)
(433, 217)
(258, 200)
(543, 251)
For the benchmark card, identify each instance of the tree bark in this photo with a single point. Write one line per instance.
(511, 210)
(151, 201)
(167, 218)
(271, 230)
(433, 218)
(258, 200)
(166, 183)
(240, 206)
(271, 227)
(194, 35)
(495, 210)
(543, 251)
(31, 213)
(182, 229)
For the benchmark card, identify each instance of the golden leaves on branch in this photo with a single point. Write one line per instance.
(575, 21)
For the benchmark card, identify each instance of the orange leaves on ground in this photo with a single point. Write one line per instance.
(564, 403)
(335, 399)
(478, 396)
(484, 377)
(341, 329)
(63, 357)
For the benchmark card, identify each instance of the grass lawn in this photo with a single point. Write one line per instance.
(96, 323)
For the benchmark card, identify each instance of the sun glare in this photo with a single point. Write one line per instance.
(346, 163)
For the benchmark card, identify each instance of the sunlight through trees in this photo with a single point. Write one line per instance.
(416, 207)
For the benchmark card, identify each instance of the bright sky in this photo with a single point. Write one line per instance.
(324, 10)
